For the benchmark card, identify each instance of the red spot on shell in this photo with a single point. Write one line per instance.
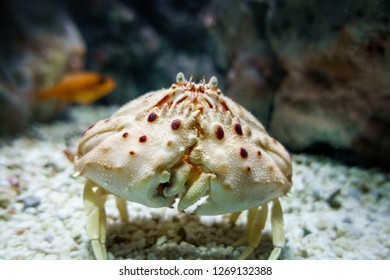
(125, 135)
(243, 153)
(152, 117)
(219, 132)
(176, 124)
(88, 129)
(143, 138)
(259, 153)
(238, 129)
(132, 153)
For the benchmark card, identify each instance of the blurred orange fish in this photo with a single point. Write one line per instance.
(81, 87)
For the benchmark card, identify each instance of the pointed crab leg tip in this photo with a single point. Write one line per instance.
(76, 174)
(246, 253)
(99, 250)
(275, 253)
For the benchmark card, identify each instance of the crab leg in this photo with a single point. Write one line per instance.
(121, 204)
(233, 217)
(278, 239)
(250, 216)
(96, 223)
(255, 225)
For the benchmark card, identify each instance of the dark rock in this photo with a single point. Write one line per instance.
(239, 47)
(31, 201)
(333, 201)
(145, 50)
(39, 44)
(337, 58)
(251, 81)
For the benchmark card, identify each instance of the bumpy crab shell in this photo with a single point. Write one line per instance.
(190, 144)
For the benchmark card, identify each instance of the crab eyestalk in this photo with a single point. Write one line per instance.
(213, 84)
(180, 79)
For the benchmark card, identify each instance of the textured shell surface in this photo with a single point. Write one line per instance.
(188, 144)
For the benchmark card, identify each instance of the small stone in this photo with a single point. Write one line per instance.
(151, 240)
(161, 240)
(4, 203)
(229, 250)
(31, 201)
(140, 244)
(64, 214)
(49, 238)
(138, 234)
(152, 256)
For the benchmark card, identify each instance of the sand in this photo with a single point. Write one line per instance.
(333, 211)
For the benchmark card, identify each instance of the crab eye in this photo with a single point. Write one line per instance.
(180, 79)
(213, 83)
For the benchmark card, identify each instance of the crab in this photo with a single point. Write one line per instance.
(187, 147)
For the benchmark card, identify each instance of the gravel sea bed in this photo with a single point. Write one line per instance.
(333, 211)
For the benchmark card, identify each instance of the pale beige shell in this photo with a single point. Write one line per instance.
(188, 143)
